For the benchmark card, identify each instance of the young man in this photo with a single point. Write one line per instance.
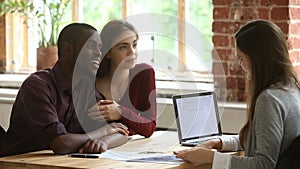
(45, 114)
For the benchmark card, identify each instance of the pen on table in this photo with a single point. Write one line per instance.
(83, 155)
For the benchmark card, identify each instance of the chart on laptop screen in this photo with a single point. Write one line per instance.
(197, 116)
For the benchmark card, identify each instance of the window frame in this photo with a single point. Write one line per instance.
(11, 19)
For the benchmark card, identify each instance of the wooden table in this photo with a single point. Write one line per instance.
(162, 142)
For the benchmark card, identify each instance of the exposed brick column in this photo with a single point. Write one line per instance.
(229, 15)
(294, 33)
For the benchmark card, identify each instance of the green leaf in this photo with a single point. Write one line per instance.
(26, 8)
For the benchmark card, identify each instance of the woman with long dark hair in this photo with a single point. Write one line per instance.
(273, 99)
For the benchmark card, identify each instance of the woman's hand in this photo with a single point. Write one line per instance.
(107, 110)
(94, 146)
(202, 153)
(212, 144)
(196, 155)
(113, 128)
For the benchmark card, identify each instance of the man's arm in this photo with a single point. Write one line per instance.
(101, 145)
(69, 143)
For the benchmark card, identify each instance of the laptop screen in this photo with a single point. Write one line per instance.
(196, 115)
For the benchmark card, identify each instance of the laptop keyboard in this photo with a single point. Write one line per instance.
(199, 141)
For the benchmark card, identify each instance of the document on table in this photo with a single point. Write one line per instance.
(157, 149)
(115, 155)
(168, 159)
(133, 157)
(128, 155)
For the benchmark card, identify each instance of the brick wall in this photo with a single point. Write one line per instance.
(229, 15)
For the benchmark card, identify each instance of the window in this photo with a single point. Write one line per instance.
(98, 13)
(158, 32)
(162, 49)
(15, 57)
(183, 46)
(200, 15)
(21, 40)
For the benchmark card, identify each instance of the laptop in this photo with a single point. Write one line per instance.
(197, 117)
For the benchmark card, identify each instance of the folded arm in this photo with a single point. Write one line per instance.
(69, 143)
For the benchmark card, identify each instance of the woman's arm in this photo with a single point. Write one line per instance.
(115, 140)
(139, 110)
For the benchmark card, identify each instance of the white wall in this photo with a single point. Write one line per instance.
(233, 115)
(5, 109)
(232, 119)
(7, 97)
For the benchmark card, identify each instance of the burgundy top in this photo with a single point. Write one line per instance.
(139, 109)
(42, 110)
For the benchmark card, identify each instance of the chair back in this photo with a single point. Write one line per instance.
(2, 131)
(290, 157)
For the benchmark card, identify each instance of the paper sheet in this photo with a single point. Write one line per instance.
(158, 149)
(168, 159)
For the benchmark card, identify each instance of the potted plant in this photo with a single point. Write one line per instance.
(47, 17)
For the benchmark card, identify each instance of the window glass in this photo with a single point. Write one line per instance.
(158, 49)
(33, 36)
(164, 54)
(15, 47)
(98, 13)
(200, 15)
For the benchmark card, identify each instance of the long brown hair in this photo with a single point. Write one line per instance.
(265, 47)
(108, 36)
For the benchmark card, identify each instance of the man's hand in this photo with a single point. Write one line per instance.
(94, 146)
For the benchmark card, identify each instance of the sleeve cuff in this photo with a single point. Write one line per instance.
(230, 143)
(221, 161)
(50, 132)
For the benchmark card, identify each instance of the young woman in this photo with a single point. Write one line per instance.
(273, 99)
(128, 88)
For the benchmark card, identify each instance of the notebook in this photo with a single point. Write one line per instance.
(197, 117)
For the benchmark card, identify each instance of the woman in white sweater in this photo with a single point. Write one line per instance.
(273, 99)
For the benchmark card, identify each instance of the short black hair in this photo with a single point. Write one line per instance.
(70, 34)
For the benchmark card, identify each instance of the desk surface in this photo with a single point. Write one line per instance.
(162, 142)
